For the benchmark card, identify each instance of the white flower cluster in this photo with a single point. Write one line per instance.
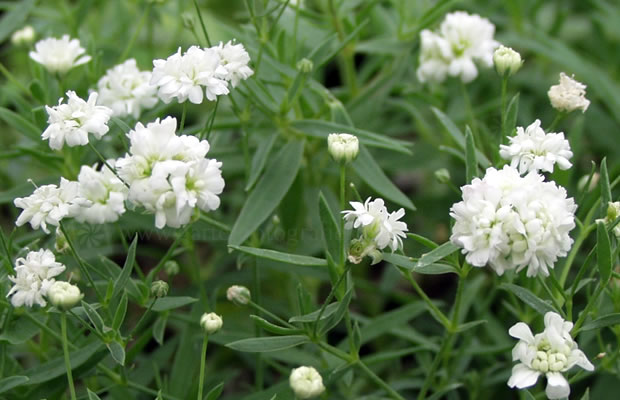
(59, 55)
(71, 123)
(126, 90)
(462, 40)
(199, 72)
(512, 222)
(102, 195)
(550, 352)
(306, 382)
(568, 95)
(169, 175)
(34, 276)
(533, 150)
(379, 229)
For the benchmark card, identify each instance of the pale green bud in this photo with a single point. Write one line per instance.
(211, 323)
(240, 295)
(507, 61)
(64, 295)
(159, 289)
(171, 267)
(305, 66)
(442, 175)
(343, 147)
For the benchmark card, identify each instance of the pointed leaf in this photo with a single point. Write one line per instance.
(266, 344)
(603, 253)
(172, 302)
(282, 257)
(117, 351)
(331, 230)
(458, 136)
(329, 310)
(21, 124)
(122, 279)
(11, 382)
(215, 393)
(602, 322)
(260, 159)
(471, 167)
(92, 395)
(529, 298)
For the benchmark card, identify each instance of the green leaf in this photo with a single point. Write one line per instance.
(471, 166)
(11, 382)
(602, 322)
(94, 317)
(319, 62)
(37, 91)
(469, 325)
(92, 395)
(343, 308)
(311, 317)
(159, 327)
(20, 330)
(370, 172)
(586, 395)
(603, 253)
(172, 302)
(411, 265)
(511, 117)
(117, 351)
(269, 191)
(274, 255)
(267, 344)
(331, 230)
(215, 393)
(436, 254)
(529, 298)
(273, 328)
(321, 129)
(56, 367)
(260, 159)
(21, 124)
(15, 18)
(458, 136)
(119, 314)
(123, 278)
(605, 187)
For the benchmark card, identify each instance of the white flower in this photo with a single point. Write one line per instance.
(48, 204)
(72, 122)
(127, 90)
(234, 59)
(306, 382)
(183, 76)
(240, 295)
(33, 278)
(105, 194)
(343, 147)
(64, 295)
(169, 175)
(509, 221)
(462, 41)
(211, 322)
(568, 95)
(23, 36)
(532, 150)
(379, 229)
(507, 61)
(551, 352)
(59, 55)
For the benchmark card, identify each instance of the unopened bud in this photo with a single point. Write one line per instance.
(442, 175)
(581, 183)
(343, 147)
(306, 382)
(507, 61)
(188, 20)
(240, 295)
(23, 36)
(171, 267)
(613, 211)
(159, 289)
(304, 65)
(211, 322)
(64, 295)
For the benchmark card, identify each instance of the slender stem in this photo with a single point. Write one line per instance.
(202, 24)
(380, 382)
(586, 310)
(217, 224)
(436, 311)
(79, 260)
(201, 381)
(346, 56)
(141, 320)
(105, 162)
(136, 32)
(329, 298)
(550, 294)
(7, 74)
(343, 178)
(270, 314)
(573, 252)
(183, 117)
(211, 121)
(504, 101)
(556, 121)
(65, 350)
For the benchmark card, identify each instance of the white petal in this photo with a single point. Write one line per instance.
(522, 377)
(557, 386)
(520, 330)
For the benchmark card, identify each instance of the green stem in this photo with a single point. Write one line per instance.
(504, 101)
(346, 56)
(573, 252)
(79, 260)
(182, 125)
(65, 350)
(556, 121)
(329, 298)
(201, 381)
(550, 294)
(136, 33)
(380, 382)
(586, 310)
(434, 310)
(105, 162)
(202, 24)
(209, 125)
(271, 315)
(343, 178)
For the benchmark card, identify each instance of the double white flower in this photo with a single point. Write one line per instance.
(59, 55)
(102, 195)
(462, 41)
(71, 123)
(379, 229)
(512, 222)
(127, 90)
(34, 276)
(169, 175)
(533, 150)
(550, 352)
(568, 95)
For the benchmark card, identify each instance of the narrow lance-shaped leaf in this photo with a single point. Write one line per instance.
(471, 167)
(267, 344)
(605, 187)
(268, 192)
(274, 255)
(122, 279)
(529, 298)
(331, 230)
(603, 253)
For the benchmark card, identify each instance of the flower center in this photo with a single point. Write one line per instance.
(550, 359)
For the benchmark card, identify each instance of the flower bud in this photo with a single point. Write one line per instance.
(305, 66)
(159, 289)
(23, 36)
(64, 295)
(171, 267)
(581, 183)
(343, 147)
(240, 295)
(211, 323)
(507, 61)
(306, 382)
(188, 20)
(613, 211)
(442, 175)
(61, 245)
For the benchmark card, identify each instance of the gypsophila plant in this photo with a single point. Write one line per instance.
(381, 199)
